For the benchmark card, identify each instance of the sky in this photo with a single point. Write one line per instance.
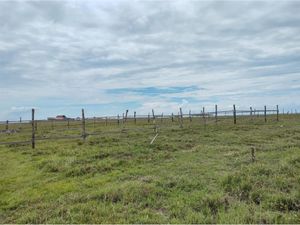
(108, 56)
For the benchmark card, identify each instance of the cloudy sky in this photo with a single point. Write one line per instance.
(109, 56)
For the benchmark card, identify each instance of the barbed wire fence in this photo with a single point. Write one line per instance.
(42, 130)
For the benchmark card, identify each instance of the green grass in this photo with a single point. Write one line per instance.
(198, 174)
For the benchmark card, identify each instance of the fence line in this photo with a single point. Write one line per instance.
(83, 122)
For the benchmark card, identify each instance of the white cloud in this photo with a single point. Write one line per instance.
(77, 50)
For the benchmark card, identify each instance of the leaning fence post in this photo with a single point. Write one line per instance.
(83, 125)
(153, 115)
(181, 118)
(6, 127)
(216, 113)
(33, 131)
(234, 114)
(277, 113)
(265, 114)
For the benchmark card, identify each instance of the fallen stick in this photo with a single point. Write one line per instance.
(153, 139)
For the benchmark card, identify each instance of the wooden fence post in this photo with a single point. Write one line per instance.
(181, 118)
(118, 119)
(162, 116)
(216, 113)
(277, 113)
(148, 117)
(234, 114)
(154, 121)
(83, 125)
(172, 117)
(251, 114)
(126, 114)
(20, 123)
(134, 117)
(153, 115)
(190, 116)
(265, 114)
(203, 116)
(6, 126)
(33, 131)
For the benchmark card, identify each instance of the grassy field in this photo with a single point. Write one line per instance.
(198, 174)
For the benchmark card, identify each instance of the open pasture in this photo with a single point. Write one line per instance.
(204, 172)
